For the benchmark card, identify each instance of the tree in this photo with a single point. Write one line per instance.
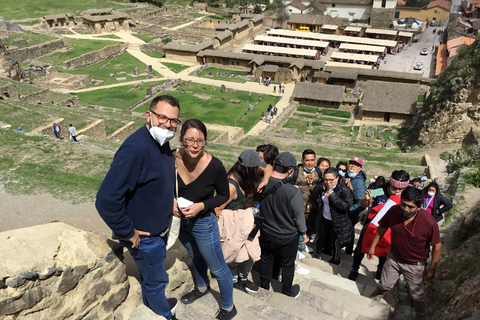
(257, 9)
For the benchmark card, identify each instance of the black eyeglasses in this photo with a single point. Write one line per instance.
(190, 142)
(163, 119)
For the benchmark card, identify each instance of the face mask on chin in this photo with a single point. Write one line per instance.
(308, 171)
(159, 134)
(352, 174)
(342, 173)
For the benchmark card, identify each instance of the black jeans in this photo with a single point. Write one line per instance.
(281, 253)
(326, 234)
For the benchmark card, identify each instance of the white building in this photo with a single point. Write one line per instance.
(349, 9)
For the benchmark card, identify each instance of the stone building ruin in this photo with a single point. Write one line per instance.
(105, 20)
(59, 20)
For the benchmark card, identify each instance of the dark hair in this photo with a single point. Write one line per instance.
(413, 194)
(167, 98)
(432, 184)
(280, 168)
(331, 170)
(341, 163)
(247, 179)
(306, 152)
(400, 175)
(193, 123)
(379, 181)
(270, 152)
(320, 160)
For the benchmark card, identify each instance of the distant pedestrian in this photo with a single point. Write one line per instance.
(275, 89)
(56, 130)
(73, 132)
(260, 79)
(275, 110)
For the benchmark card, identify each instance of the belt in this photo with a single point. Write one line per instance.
(417, 263)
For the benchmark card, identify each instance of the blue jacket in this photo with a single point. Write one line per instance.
(359, 189)
(138, 190)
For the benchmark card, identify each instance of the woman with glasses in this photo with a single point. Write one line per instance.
(333, 205)
(202, 180)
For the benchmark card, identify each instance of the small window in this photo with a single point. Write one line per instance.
(435, 11)
(397, 14)
(384, 3)
(333, 5)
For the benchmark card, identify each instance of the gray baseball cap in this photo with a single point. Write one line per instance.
(286, 159)
(250, 159)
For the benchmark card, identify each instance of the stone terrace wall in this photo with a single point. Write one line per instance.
(54, 80)
(40, 97)
(95, 56)
(96, 129)
(56, 271)
(39, 50)
(381, 17)
(124, 132)
(9, 91)
(48, 128)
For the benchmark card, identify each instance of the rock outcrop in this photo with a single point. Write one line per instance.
(453, 107)
(9, 67)
(55, 271)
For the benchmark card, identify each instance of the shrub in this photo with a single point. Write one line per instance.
(445, 155)
(473, 178)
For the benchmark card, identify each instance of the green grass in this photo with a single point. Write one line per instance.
(195, 14)
(330, 119)
(219, 16)
(32, 39)
(29, 22)
(13, 9)
(218, 111)
(336, 113)
(214, 71)
(117, 97)
(155, 54)
(175, 67)
(145, 37)
(308, 109)
(420, 98)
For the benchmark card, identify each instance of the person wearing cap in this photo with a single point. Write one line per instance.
(357, 178)
(236, 221)
(282, 208)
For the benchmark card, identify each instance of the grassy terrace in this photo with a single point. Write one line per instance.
(214, 71)
(175, 67)
(32, 39)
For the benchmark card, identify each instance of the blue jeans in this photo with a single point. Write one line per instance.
(150, 260)
(201, 238)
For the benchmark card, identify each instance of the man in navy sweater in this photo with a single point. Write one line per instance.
(136, 198)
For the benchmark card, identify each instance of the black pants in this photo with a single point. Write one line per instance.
(281, 253)
(327, 235)
(354, 219)
(358, 255)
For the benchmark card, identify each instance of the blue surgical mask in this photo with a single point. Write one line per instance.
(352, 174)
(342, 173)
(332, 188)
(308, 171)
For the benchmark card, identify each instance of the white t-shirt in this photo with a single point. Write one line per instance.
(326, 207)
(73, 131)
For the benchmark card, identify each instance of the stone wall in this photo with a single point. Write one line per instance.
(190, 57)
(54, 80)
(124, 132)
(9, 67)
(96, 129)
(48, 128)
(381, 17)
(40, 97)
(8, 91)
(39, 50)
(56, 271)
(283, 117)
(95, 56)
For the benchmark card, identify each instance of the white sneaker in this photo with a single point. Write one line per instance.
(300, 255)
(301, 270)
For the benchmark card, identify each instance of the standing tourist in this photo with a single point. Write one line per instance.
(202, 180)
(56, 130)
(282, 208)
(435, 203)
(136, 198)
(414, 231)
(73, 132)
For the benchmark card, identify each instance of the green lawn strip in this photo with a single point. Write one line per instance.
(31, 38)
(175, 67)
(214, 71)
(218, 16)
(80, 46)
(195, 14)
(308, 109)
(336, 113)
(144, 36)
(117, 97)
(331, 119)
(155, 54)
(218, 111)
(39, 8)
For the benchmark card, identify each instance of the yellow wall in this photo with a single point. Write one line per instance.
(423, 14)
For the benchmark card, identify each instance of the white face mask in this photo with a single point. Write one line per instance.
(393, 193)
(431, 194)
(160, 135)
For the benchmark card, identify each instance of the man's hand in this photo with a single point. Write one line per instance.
(371, 253)
(431, 273)
(135, 240)
(348, 183)
(176, 211)
(304, 239)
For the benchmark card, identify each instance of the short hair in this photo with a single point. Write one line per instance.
(401, 175)
(341, 163)
(270, 152)
(331, 170)
(433, 184)
(320, 160)
(412, 194)
(171, 100)
(280, 168)
(306, 152)
(196, 124)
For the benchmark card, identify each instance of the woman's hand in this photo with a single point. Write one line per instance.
(192, 210)
(329, 192)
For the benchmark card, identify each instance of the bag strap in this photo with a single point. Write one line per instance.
(273, 190)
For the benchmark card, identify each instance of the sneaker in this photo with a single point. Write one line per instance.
(337, 262)
(239, 285)
(353, 275)
(193, 295)
(300, 255)
(318, 256)
(173, 303)
(226, 315)
(295, 291)
(302, 271)
(250, 286)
